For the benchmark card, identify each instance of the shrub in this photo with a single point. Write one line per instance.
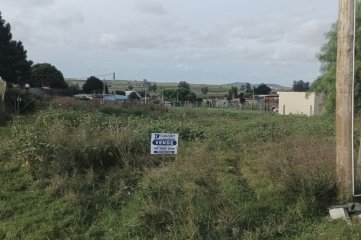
(59, 141)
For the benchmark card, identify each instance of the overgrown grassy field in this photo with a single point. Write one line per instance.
(74, 171)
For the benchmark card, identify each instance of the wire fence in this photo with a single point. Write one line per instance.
(225, 104)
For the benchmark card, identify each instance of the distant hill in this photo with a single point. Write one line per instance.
(271, 85)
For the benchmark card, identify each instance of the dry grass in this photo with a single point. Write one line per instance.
(302, 166)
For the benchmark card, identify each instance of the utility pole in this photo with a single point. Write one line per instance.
(103, 90)
(145, 90)
(344, 79)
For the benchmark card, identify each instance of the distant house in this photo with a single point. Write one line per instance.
(127, 93)
(115, 98)
(302, 103)
(83, 96)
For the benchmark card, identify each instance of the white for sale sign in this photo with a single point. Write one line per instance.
(164, 143)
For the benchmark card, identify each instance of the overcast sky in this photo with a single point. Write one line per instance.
(198, 41)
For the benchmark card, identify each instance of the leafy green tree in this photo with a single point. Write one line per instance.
(14, 66)
(191, 97)
(46, 75)
(233, 92)
(204, 90)
(183, 93)
(120, 92)
(262, 89)
(142, 94)
(300, 86)
(94, 85)
(248, 88)
(326, 82)
(152, 87)
(170, 94)
(133, 96)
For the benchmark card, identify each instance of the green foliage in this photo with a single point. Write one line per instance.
(94, 85)
(17, 102)
(27, 104)
(152, 87)
(262, 89)
(326, 82)
(63, 142)
(14, 66)
(120, 92)
(248, 88)
(238, 175)
(204, 90)
(46, 75)
(300, 86)
(180, 94)
(133, 96)
(132, 109)
(184, 84)
(170, 94)
(233, 93)
(185, 94)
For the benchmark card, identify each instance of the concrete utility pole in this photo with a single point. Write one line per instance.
(145, 82)
(344, 77)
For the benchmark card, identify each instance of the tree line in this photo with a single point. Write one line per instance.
(15, 68)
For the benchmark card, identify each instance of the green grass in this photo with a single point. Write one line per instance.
(238, 175)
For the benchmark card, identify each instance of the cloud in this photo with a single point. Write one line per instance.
(31, 3)
(183, 67)
(310, 32)
(62, 18)
(291, 54)
(150, 7)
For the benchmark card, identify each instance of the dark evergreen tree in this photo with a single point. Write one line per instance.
(204, 90)
(133, 96)
(248, 88)
(152, 87)
(300, 86)
(184, 84)
(14, 66)
(94, 85)
(120, 92)
(46, 75)
(262, 89)
(233, 93)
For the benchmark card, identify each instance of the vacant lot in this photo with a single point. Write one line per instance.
(86, 173)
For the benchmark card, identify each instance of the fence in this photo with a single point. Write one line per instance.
(260, 105)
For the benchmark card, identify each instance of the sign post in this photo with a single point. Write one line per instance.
(164, 143)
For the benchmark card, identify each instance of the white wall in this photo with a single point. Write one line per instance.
(303, 103)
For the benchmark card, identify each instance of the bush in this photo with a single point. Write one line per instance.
(62, 142)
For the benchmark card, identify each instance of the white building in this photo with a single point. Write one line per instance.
(302, 103)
